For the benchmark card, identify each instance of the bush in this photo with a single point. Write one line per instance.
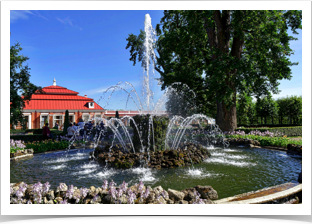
(28, 138)
(289, 131)
(267, 125)
(16, 145)
(269, 141)
(47, 145)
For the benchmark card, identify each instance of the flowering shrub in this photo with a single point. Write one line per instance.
(198, 200)
(265, 138)
(137, 194)
(256, 132)
(16, 145)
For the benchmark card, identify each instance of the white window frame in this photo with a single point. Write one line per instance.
(72, 114)
(90, 105)
(54, 119)
(29, 119)
(43, 114)
(96, 115)
(86, 114)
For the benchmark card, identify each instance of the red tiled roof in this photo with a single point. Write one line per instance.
(60, 105)
(59, 98)
(57, 90)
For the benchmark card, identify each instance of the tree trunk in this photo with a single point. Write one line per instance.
(226, 118)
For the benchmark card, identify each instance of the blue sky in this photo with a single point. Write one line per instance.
(85, 51)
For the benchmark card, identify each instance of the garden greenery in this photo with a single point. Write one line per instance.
(265, 138)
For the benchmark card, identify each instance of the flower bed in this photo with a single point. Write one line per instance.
(47, 145)
(39, 193)
(264, 138)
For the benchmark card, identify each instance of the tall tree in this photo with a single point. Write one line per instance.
(20, 87)
(267, 107)
(117, 114)
(245, 113)
(66, 122)
(225, 53)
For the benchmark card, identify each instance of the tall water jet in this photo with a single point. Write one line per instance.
(149, 55)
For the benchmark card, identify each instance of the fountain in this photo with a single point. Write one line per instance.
(192, 148)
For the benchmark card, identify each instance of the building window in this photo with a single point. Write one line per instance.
(71, 119)
(98, 118)
(44, 120)
(58, 120)
(91, 105)
(85, 118)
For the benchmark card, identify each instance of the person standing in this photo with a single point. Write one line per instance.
(46, 131)
(81, 125)
(70, 130)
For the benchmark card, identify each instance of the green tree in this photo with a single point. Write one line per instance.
(283, 107)
(245, 109)
(267, 107)
(66, 122)
(117, 114)
(295, 109)
(20, 87)
(290, 109)
(223, 53)
(181, 101)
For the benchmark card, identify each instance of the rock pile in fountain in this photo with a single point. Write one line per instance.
(186, 155)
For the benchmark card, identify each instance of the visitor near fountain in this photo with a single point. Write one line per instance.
(70, 130)
(75, 126)
(46, 132)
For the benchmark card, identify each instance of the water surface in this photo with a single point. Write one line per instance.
(229, 171)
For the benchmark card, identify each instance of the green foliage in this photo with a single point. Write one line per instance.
(37, 135)
(20, 87)
(246, 109)
(221, 53)
(269, 141)
(181, 101)
(66, 122)
(266, 107)
(117, 114)
(46, 145)
(160, 125)
(13, 150)
(289, 131)
(28, 138)
(291, 109)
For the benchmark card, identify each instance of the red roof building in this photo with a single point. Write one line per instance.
(50, 106)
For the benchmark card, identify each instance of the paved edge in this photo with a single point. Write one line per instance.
(262, 199)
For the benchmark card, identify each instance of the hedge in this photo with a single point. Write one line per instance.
(267, 125)
(35, 137)
(289, 131)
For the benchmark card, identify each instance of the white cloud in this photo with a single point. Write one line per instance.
(68, 21)
(65, 21)
(23, 14)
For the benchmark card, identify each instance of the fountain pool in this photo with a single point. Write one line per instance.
(230, 171)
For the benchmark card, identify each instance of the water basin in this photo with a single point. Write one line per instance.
(230, 171)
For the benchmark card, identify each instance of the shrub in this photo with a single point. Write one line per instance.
(269, 141)
(47, 145)
(16, 145)
(289, 131)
